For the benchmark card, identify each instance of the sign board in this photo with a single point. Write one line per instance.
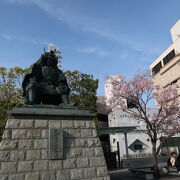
(55, 143)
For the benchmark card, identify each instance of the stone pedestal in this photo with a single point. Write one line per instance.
(25, 146)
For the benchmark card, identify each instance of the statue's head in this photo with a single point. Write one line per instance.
(50, 59)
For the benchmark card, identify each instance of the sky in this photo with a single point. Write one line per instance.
(98, 37)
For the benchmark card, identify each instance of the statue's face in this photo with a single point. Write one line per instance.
(51, 62)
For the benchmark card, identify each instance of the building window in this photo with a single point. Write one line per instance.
(174, 82)
(138, 146)
(156, 68)
(167, 58)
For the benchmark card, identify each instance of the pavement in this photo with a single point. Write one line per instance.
(171, 176)
(125, 174)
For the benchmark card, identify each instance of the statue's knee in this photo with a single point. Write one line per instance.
(31, 93)
(31, 87)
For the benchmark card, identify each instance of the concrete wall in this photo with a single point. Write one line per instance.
(24, 153)
(119, 118)
(131, 137)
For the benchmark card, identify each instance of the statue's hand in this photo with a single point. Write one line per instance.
(32, 83)
(62, 89)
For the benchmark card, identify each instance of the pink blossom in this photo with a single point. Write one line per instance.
(141, 90)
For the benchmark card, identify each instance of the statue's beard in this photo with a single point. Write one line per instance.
(51, 63)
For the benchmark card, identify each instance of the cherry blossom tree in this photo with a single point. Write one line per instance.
(140, 91)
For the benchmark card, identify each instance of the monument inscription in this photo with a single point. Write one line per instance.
(55, 143)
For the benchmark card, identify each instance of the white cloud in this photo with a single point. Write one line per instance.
(94, 50)
(19, 1)
(97, 26)
(56, 8)
(126, 40)
(88, 50)
(103, 53)
(6, 37)
(30, 40)
(62, 11)
(22, 39)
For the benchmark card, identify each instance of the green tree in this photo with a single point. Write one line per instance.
(83, 90)
(10, 91)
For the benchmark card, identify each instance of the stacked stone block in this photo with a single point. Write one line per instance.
(24, 146)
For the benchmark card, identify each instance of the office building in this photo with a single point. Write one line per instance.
(166, 68)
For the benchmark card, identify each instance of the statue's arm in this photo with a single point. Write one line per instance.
(62, 86)
(34, 73)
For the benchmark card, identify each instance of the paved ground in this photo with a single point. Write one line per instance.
(171, 176)
(123, 175)
(126, 175)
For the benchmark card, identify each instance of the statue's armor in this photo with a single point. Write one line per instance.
(50, 75)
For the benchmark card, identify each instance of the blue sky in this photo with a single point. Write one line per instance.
(98, 37)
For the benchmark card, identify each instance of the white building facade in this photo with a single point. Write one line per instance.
(166, 68)
(138, 141)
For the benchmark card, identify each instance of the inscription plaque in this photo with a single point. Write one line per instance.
(55, 143)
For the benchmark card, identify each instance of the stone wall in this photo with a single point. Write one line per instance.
(24, 146)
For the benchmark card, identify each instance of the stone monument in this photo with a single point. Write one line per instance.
(43, 142)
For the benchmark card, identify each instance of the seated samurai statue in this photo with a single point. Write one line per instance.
(45, 83)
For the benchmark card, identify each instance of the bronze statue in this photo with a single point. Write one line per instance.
(45, 83)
